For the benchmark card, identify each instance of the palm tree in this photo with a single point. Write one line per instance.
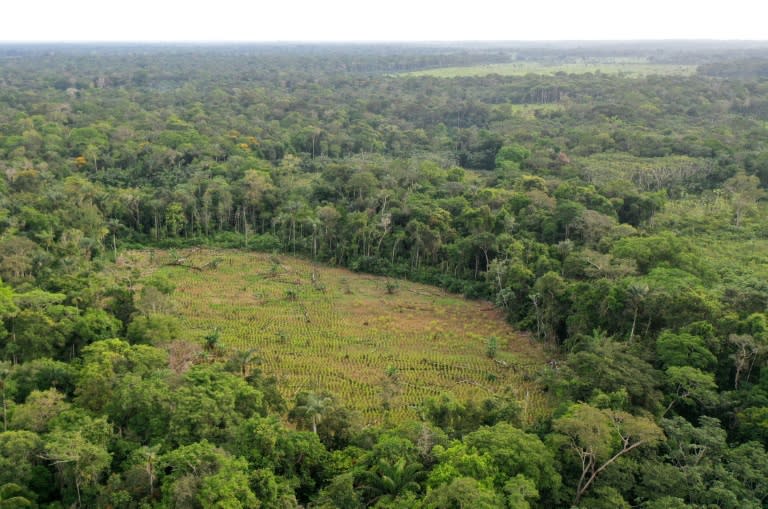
(313, 407)
(241, 361)
(390, 480)
(212, 339)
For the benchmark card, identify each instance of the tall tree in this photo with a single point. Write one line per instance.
(599, 437)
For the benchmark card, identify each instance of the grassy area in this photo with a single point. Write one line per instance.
(624, 67)
(319, 328)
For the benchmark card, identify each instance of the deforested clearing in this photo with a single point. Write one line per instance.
(383, 346)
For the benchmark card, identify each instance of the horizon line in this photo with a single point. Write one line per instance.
(376, 41)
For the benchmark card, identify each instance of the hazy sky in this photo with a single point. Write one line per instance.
(377, 20)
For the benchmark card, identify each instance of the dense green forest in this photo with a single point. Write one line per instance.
(619, 218)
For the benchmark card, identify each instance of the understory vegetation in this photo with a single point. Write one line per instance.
(179, 329)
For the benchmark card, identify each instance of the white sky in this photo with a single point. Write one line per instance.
(376, 20)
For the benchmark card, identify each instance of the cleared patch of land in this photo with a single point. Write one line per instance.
(319, 328)
(625, 67)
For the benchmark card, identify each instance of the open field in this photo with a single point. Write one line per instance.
(382, 354)
(630, 68)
